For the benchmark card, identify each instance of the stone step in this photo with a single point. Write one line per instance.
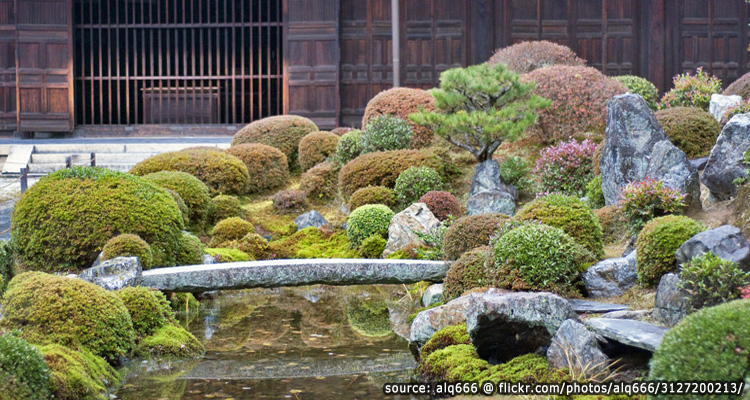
(47, 168)
(126, 158)
(588, 306)
(145, 147)
(629, 332)
(59, 158)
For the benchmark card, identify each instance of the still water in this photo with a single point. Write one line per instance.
(318, 342)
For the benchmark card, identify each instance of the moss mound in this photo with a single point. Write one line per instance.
(223, 255)
(49, 309)
(149, 309)
(267, 166)
(193, 192)
(401, 102)
(471, 232)
(527, 56)
(366, 221)
(254, 245)
(225, 206)
(468, 272)
(315, 148)
(221, 172)
(313, 243)
(191, 250)
(373, 195)
(283, 132)
(230, 229)
(448, 336)
(657, 243)
(692, 130)
(78, 375)
(320, 182)
(181, 205)
(23, 373)
(372, 247)
(128, 245)
(170, 342)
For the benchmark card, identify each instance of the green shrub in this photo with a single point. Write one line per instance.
(468, 272)
(127, 245)
(527, 56)
(181, 205)
(225, 206)
(642, 87)
(657, 243)
(191, 250)
(516, 171)
(254, 245)
(643, 201)
(283, 132)
(692, 130)
(221, 172)
(7, 270)
(349, 147)
(170, 342)
(78, 374)
(569, 214)
(62, 222)
(223, 255)
(470, 232)
(316, 147)
(23, 373)
(290, 201)
(709, 280)
(193, 192)
(448, 336)
(442, 204)
(266, 165)
(372, 247)
(594, 193)
(691, 90)
(386, 132)
(50, 309)
(149, 309)
(368, 220)
(230, 229)
(320, 182)
(373, 195)
(400, 102)
(709, 345)
(415, 182)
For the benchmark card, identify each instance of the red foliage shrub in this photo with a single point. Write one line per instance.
(528, 56)
(288, 201)
(567, 167)
(373, 195)
(320, 182)
(471, 232)
(401, 102)
(266, 164)
(442, 204)
(283, 132)
(315, 147)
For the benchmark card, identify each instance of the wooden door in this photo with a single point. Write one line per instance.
(605, 33)
(8, 112)
(44, 65)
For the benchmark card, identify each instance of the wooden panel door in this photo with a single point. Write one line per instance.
(312, 60)
(526, 20)
(605, 33)
(8, 112)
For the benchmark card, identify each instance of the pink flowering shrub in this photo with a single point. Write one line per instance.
(745, 292)
(643, 201)
(691, 90)
(566, 168)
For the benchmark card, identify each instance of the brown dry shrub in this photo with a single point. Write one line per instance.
(528, 56)
(283, 132)
(315, 147)
(320, 182)
(266, 165)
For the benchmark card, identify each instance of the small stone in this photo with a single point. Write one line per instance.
(209, 259)
(611, 277)
(699, 163)
(595, 307)
(432, 295)
(574, 347)
(726, 162)
(720, 104)
(415, 218)
(639, 315)
(311, 218)
(115, 274)
(628, 332)
(726, 242)
(670, 305)
(669, 164)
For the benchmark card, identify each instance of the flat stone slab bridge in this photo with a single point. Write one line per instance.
(277, 273)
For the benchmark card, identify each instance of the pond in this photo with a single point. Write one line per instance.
(317, 342)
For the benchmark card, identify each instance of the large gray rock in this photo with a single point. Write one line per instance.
(574, 347)
(725, 163)
(311, 218)
(115, 274)
(502, 327)
(491, 202)
(628, 332)
(720, 104)
(726, 241)
(429, 321)
(488, 192)
(611, 277)
(670, 165)
(670, 305)
(433, 294)
(416, 218)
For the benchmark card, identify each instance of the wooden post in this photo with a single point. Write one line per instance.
(396, 38)
(24, 180)
(93, 159)
(68, 162)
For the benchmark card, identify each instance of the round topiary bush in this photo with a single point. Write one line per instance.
(468, 272)
(349, 147)
(127, 245)
(193, 192)
(373, 195)
(267, 166)
(290, 201)
(181, 205)
(415, 182)
(23, 373)
(571, 215)
(149, 309)
(315, 148)
(642, 87)
(230, 229)
(49, 309)
(372, 247)
(225, 206)
(579, 100)
(283, 132)
(709, 345)
(401, 102)
(692, 130)
(78, 374)
(62, 222)
(386, 132)
(191, 250)
(442, 204)
(320, 182)
(528, 56)
(740, 87)
(471, 232)
(221, 172)
(368, 220)
(657, 243)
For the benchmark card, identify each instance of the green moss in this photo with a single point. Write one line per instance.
(400, 255)
(23, 373)
(170, 342)
(191, 250)
(78, 375)
(372, 247)
(471, 232)
(227, 255)
(368, 220)
(448, 336)
(468, 272)
(193, 192)
(128, 245)
(312, 243)
(368, 316)
(657, 243)
(149, 309)
(225, 206)
(594, 193)
(230, 229)
(50, 309)
(181, 205)
(526, 368)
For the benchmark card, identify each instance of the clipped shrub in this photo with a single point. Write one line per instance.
(692, 130)
(78, 374)
(372, 247)
(642, 87)
(6, 265)
(223, 255)
(62, 222)
(401, 102)
(290, 201)
(181, 205)
(594, 193)
(191, 250)
(567, 167)
(442, 204)
(449, 336)
(49, 309)
(415, 182)
(381, 169)
(23, 373)
(127, 245)
(709, 280)
(320, 182)
(193, 192)
(373, 195)
(613, 225)
(657, 244)
(643, 201)
(471, 232)
(740, 87)
(579, 100)
(266, 165)
(386, 132)
(254, 245)
(225, 206)
(220, 171)
(170, 342)
(571, 215)
(468, 272)
(283, 132)
(709, 345)
(366, 221)
(528, 56)
(149, 309)
(349, 147)
(316, 147)
(516, 171)
(691, 90)
(230, 229)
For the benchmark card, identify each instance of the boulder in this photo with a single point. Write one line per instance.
(670, 165)
(725, 163)
(574, 347)
(595, 307)
(505, 326)
(209, 259)
(699, 163)
(628, 332)
(488, 192)
(427, 322)
(726, 241)
(670, 305)
(720, 104)
(491, 202)
(416, 218)
(610, 277)
(115, 274)
(308, 219)
(433, 294)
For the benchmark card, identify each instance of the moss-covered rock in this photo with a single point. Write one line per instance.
(468, 272)
(267, 166)
(254, 245)
(194, 193)
(78, 374)
(149, 309)
(225, 206)
(315, 148)
(230, 229)
(368, 220)
(170, 342)
(692, 130)
(23, 373)
(62, 222)
(471, 232)
(657, 243)
(283, 132)
(373, 195)
(49, 309)
(191, 250)
(448, 336)
(127, 245)
(223, 255)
